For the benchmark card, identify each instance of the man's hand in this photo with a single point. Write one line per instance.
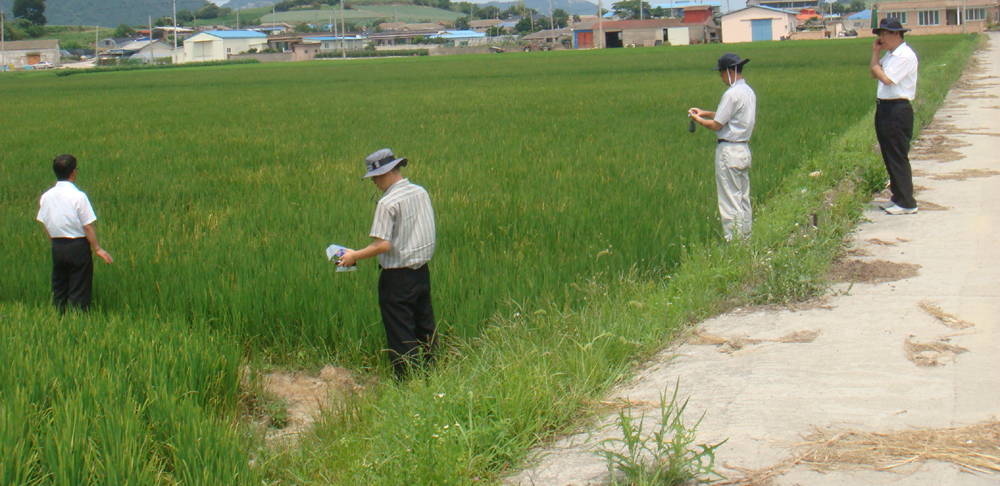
(105, 256)
(348, 259)
(877, 46)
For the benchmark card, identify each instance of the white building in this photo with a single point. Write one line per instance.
(30, 52)
(217, 45)
(758, 23)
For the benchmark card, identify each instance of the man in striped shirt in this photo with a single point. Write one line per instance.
(403, 239)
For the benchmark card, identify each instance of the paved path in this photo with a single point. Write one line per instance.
(855, 375)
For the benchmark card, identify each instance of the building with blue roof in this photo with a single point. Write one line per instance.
(218, 45)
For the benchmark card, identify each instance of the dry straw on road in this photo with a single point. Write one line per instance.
(975, 448)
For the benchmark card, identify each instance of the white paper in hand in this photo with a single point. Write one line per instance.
(334, 252)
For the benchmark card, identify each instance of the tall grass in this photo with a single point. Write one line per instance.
(106, 400)
(217, 190)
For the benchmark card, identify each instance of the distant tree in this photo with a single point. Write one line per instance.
(542, 24)
(496, 31)
(464, 7)
(209, 11)
(858, 5)
(523, 26)
(31, 10)
(576, 18)
(163, 22)
(629, 9)
(657, 12)
(185, 16)
(444, 4)
(304, 28)
(123, 30)
(560, 18)
(462, 23)
(487, 12)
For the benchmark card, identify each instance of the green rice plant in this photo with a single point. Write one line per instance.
(666, 456)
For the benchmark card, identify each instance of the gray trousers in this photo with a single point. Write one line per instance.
(732, 179)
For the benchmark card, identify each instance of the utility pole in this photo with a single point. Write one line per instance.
(600, 23)
(343, 32)
(175, 28)
(3, 46)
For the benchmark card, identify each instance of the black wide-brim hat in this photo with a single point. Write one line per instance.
(889, 25)
(729, 60)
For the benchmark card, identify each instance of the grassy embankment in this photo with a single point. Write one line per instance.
(573, 323)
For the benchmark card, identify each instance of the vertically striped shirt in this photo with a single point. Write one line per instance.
(404, 217)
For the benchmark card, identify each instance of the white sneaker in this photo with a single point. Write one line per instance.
(886, 205)
(894, 209)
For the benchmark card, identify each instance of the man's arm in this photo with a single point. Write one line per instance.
(876, 68)
(377, 247)
(88, 229)
(705, 118)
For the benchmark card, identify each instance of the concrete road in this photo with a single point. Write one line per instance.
(765, 395)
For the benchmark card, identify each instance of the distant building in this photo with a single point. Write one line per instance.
(30, 52)
(795, 5)
(551, 38)
(333, 43)
(677, 8)
(939, 16)
(758, 23)
(642, 33)
(217, 45)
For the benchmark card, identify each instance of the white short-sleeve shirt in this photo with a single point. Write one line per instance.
(737, 113)
(404, 217)
(900, 66)
(65, 210)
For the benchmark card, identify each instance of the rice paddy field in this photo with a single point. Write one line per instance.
(567, 193)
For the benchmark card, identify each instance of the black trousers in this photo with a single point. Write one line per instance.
(404, 297)
(894, 129)
(72, 273)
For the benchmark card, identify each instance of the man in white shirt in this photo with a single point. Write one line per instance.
(733, 124)
(896, 73)
(69, 220)
(404, 239)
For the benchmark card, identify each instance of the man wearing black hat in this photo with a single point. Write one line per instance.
(733, 124)
(403, 240)
(896, 73)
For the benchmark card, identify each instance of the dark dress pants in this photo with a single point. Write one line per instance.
(894, 129)
(72, 273)
(404, 297)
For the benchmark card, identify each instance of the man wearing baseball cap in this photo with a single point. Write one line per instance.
(896, 73)
(733, 124)
(403, 240)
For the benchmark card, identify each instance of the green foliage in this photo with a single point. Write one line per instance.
(462, 23)
(629, 9)
(487, 12)
(123, 30)
(668, 456)
(105, 400)
(163, 22)
(31, 10)
(560, 18)
(184, 17)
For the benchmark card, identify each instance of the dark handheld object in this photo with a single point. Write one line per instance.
(691, 126)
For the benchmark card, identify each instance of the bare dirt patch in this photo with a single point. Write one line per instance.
(938, 148)
(929, 206)
(730, 345)
(874, 272)
(858, 252)
(299, 399)
(932, 353)
(973, 448)
(876, 241)
(965, 175)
